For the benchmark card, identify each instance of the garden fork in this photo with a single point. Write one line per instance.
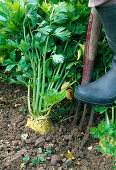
(92, 39)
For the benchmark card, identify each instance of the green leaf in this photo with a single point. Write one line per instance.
(7, 61)
(26, 159)
(35, 161)
(53, 96)
(69, 66)
(12, 43)
(2, 18)
(24, 45)
(42, 159)
(48, 151)
(49, 73)
(59, 18)
(54, 78)
(79, 29)
(58, 58)
(21, 79)
(22, 65)
(93, 130)
(62, 34)
(10, 67)
(12, 56)
(40, 150)
(100, 109)
(45, 30)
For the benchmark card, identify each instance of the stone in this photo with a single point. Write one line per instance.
(28, 141)
(14, 143)
(84, 168)
(40, 168)
(58, 165)
(48, 139)
(52, 168)
(45, 166)
(31, 165)
(57, 149)
(90, 148)
(59, 168)
(10, 159)
(55, 159)
(64, 160)
(48, 146)
(68, 162)
(67, 137)
(48, 158)
(39, 141)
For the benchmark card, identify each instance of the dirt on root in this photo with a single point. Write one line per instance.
(63, 138)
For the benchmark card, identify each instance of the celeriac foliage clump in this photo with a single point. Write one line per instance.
(40, 41)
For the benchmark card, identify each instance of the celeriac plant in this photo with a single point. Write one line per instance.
(39, 49)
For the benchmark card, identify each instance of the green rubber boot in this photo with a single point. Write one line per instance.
(103, 90)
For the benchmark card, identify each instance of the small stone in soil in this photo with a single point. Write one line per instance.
(48, 139)
(48, 158)
(45, 166)
(90, 148)
(29, 141)
(57, 149)
(68, 162)
(55, 159)
(14, 143)
(39, 141)
(58, 165)
(31, 165)
(48, 146)
(67, 137)
(64, 160)
(59, 168)
(41, 168)
(52, 168)
(84, 168)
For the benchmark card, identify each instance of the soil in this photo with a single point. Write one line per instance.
(63, 138)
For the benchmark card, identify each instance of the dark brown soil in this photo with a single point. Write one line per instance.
(13, 148)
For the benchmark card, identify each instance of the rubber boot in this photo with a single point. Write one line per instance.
(103, 90)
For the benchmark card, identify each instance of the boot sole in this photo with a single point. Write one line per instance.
(93, 103)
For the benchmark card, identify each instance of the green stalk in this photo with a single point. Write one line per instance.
(38, 84)
(43, 80)
(59, 67)
(24, 30)
(28, 97)
(34, 89)
(61, 82)
(57, 84)
(34, 71)
(106, 117)
(113, 114)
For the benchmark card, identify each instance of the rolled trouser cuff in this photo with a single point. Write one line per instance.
(96, 3)
(108, 18)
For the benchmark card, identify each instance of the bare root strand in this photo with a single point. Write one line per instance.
(88, 128)
(76, 115)
(83, 117)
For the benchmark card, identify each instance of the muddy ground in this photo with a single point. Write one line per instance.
(63, 138)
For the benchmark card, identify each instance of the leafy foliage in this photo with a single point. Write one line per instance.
(106, 132)
(40, 41)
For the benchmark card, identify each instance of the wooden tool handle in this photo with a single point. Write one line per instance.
(92, 39)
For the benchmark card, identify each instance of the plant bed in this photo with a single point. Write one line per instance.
(21, 147)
